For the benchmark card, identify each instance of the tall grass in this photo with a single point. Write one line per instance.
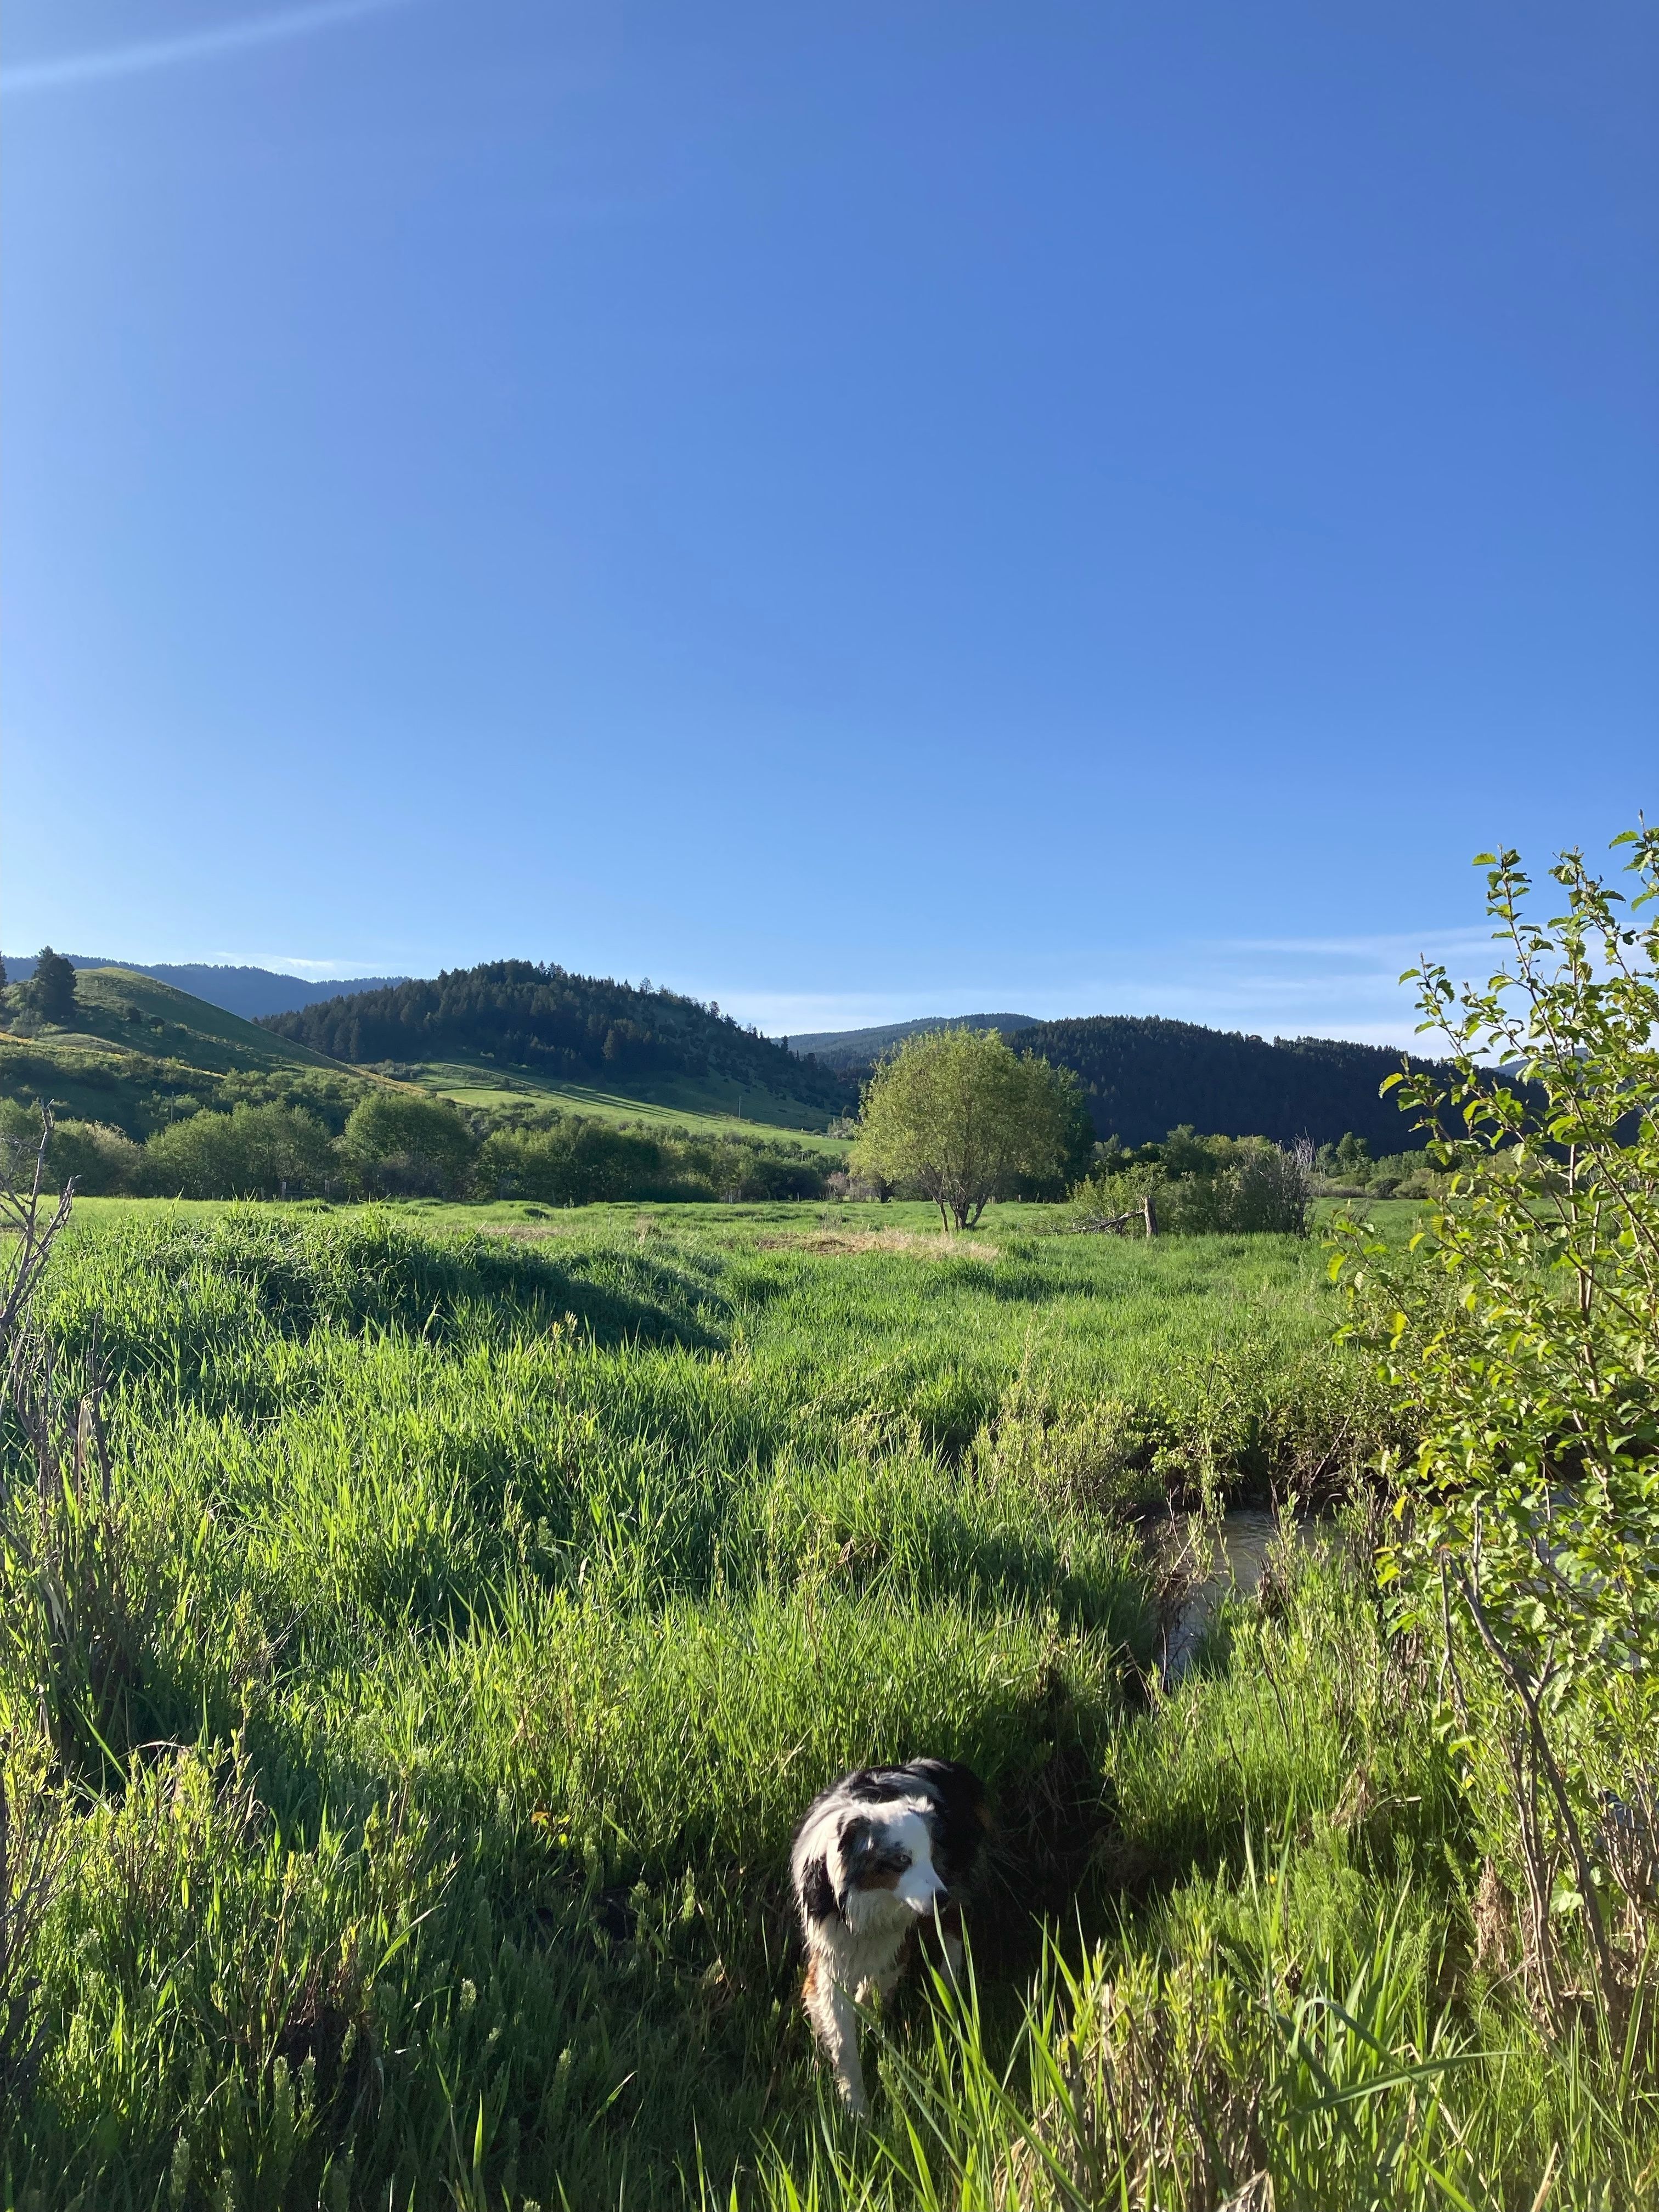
(494, 1609)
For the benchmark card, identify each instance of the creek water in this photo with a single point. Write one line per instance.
(1214, 1559)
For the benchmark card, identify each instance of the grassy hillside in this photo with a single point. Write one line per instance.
(122, 1007)
(540, 1022)
(415, 1756)
(139, 1051)
(706, 1106)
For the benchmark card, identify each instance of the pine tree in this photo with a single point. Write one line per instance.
(51, 986)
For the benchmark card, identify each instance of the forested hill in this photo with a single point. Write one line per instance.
(1144, 1076)
(856, 1051)
(572, 1028)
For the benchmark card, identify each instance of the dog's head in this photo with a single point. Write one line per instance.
(887, 1838)
(886, 1850)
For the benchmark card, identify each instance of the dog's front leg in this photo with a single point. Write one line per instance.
(836, 2023)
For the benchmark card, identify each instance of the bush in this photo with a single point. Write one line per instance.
(576, 1163)
(102, 1160)
(1262, 1191)
(1522, 1353)
(254, 1151)
(396, 1142)
(582, 1162)
(1204, 1186)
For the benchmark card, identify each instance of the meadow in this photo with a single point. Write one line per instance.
(713, 1105)
(402, 1764)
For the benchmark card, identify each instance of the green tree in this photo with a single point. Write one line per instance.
(959, 1115)
(51, 990)
(1521, 1338)
(396, 1140)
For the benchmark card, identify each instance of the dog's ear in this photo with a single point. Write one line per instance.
(817, 1892)
(963, 1817)
(855, 1835)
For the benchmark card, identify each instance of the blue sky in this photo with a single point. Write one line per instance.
(853, 512)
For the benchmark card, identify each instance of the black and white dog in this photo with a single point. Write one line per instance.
(884, 1850)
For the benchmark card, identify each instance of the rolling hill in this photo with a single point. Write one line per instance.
(512, 1036)
(512, 1025)
(1142, 1076)
(140, 1051)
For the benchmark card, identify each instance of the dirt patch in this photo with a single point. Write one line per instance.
(879, 1240)
(524, 1232)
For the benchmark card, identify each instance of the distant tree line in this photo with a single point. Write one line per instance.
(550, 1023)
(1141, 1076)
(394, 1144)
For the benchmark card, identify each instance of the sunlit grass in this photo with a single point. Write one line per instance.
(489, 1607)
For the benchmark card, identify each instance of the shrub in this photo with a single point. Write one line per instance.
(254, 1152)
(102, 1160)
(1205, 1186)
(1522, 1353)
(398, 1142)
(1263, 1190)
(577, 1162)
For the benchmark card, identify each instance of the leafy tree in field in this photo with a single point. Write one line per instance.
(396, 1140)
(1524, 1342)
(960, 1115)
(51, 990)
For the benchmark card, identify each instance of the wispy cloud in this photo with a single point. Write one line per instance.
(1395, 952)
(315, 971)
(64, 71)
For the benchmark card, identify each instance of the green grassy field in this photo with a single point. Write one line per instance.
(483, 1592)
